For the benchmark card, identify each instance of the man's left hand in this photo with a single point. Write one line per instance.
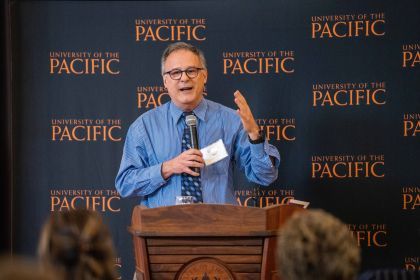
(248, 121)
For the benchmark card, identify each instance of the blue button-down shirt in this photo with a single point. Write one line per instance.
(155, 137)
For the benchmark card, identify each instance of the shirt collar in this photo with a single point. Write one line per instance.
(199, 111)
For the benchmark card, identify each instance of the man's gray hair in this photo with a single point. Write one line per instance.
(182, 46)
(314, 244)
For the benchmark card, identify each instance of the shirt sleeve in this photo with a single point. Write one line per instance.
(135, 176)
(254, 159)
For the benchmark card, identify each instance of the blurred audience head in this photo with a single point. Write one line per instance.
(18, 268)
(77, 244)
(316, 245)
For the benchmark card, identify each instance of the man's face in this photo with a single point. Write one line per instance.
(185, 93)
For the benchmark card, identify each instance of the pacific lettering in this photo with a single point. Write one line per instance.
(352, 97)
(165, 33)
(79, 66)
(263, 201)
(82, 133)
(343, 170)
(411, 128)
(152, 100)
(345, 29)
(262, 65)
(411, 59)
(413, 267)
(370, 238)
(411, 201)
(279, 132)
(95, 203)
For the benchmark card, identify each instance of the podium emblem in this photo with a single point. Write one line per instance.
(204, 269)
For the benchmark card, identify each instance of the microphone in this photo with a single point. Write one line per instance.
(191, 122)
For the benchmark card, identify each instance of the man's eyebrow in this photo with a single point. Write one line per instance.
(178, 68)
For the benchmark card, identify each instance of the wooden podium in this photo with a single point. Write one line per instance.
(207, 241)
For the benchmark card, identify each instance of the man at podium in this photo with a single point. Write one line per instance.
(162, 158)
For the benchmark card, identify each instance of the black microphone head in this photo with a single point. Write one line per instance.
(191, 120)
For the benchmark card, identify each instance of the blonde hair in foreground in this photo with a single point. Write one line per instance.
(316, 245)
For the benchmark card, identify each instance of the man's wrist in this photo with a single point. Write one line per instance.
(165, 170)
(256, 137)
(254, 133)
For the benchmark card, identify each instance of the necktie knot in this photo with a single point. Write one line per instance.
(185, 114)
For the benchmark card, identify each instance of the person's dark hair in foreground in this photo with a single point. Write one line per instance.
(315, 245)
(77, 244)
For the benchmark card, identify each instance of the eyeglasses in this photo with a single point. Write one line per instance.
(176, 74)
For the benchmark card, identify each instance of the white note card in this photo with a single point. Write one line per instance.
(214, 152)
(301, 203)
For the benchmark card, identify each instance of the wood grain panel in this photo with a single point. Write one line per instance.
(174, 267)
(200, 250)
(204, 241)
(187, 258)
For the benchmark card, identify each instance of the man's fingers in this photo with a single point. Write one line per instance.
(196, 158)
(244, 116)
(193, 161)
(193, 152)
(196, 164)
(240, 113)
(193, 158)
(239, 97)
(192, 173)
(237, 94)
(241, 103)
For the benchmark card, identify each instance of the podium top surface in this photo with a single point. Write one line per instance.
(209, 220)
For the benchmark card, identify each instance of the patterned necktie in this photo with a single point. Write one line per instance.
(191, 185)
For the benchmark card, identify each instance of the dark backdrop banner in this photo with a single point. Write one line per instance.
(335, 86)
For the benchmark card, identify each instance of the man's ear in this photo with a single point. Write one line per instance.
(205, 73)
(164, 80)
